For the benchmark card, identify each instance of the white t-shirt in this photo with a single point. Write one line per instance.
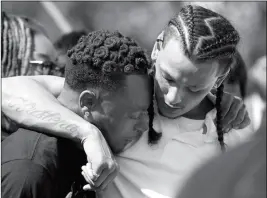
(159, 171)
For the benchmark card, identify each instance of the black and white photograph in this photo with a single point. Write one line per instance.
(133, 99)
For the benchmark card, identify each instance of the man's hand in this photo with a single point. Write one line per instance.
(101, 168)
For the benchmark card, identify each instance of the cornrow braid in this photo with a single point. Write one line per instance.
(28, 50)
(238, 74)
(5, 46)
(153, 136)
(187, 15)
(168, 31)
(15, 49)
(219, 95)
(22, 46)
(9, 59)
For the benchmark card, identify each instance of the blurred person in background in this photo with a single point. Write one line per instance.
(170, 113)
(25, 48)
(62, 45)
(25, 51)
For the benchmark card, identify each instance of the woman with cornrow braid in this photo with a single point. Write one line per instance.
(190, 58)
(26, 50)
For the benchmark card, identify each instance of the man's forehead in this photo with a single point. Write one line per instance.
(132, 85)
(137, 90)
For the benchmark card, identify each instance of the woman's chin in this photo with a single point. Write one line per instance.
(171, 113)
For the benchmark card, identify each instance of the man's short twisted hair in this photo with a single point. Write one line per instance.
(100, 57)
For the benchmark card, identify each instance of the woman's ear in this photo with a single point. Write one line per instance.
(87, 101)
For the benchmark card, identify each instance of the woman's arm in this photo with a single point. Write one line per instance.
(31, 102)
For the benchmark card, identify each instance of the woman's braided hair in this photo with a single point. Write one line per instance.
(16, 45)
(153, 136)
(205, 35)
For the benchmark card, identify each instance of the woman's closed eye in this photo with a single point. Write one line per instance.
(196, 89)
(167, 77)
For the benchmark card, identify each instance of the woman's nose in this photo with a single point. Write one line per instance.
(174, 96)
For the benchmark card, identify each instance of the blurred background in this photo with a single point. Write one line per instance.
(145, 20)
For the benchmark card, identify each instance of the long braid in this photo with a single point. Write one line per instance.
(18, 32)
(20, 55)
(11, 46)
(9, 62)
(28, 51)
(219, 95)
(22, 46)
(16, 36)
(15, 49)
(153, 136)
(5, 46)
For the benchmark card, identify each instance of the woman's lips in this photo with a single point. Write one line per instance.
(173, 106)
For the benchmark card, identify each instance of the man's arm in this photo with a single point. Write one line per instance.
(31, 102)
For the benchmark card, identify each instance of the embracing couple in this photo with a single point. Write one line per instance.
(159, 119)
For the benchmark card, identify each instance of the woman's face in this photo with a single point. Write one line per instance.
(43, 51)
(180, 83)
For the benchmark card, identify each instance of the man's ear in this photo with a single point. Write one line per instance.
(87, 101)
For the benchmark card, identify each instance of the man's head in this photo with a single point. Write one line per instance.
(107, 84)
(25, 47)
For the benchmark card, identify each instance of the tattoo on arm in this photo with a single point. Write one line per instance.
(20, 104)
